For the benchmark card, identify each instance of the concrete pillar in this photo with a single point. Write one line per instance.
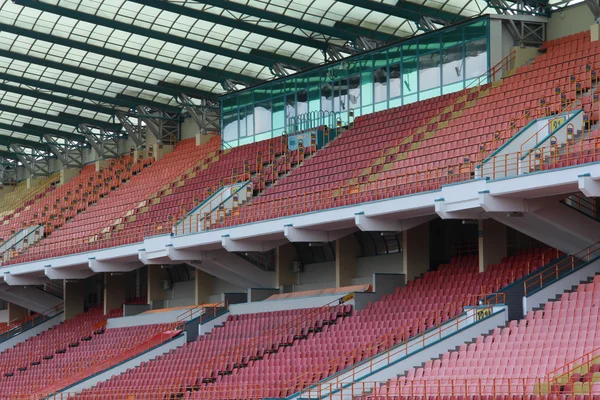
(5, 189)
(415, 251)
(595, 32)
(16, 312)
(101, 164)
(66, 174)
(203, 138)
(74, 297)
(203, 287)
(158, 151)
(284, 257)
(114, 292)
(523, 55)
(347, 249)
(493, 241)
(156, 276)
(33, 182)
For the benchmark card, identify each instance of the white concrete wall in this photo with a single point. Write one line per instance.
(322, 275)
(188, 129)
(144, 319)
(572, 20)
(21, 337)
(4, 315)
(132, 363)
(551, 291)
(206, 327)
(397, 364)
(284, 304)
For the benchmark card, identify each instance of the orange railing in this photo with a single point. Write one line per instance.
(266, 340)
(16, 327)
(586, 205)
(562, 375)
(557, 269)
(201, 310)
(430, 327)
(475, 388)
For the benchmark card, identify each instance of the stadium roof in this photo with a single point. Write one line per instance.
(70, 62)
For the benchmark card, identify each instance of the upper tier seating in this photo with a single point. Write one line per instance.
(422, 304)
(83, 231)
(68, 350)
(66, 201)
(437, 153)
(21, 197)
(526, 351)
(152, 201)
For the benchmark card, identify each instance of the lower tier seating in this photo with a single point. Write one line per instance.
(324, 345)
(516, 359)
(69, 352)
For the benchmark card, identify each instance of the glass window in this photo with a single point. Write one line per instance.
(429, 71)
(262, 112)
(395, 79)
(410, 79)
(453, 65)
(302, 102)
(354, 92)
(476, 61)
(327, 97)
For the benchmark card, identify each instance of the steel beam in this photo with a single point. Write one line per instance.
(206, 115)
(65, 119)
(128, 102)
(69, 153)
(38, 94)
(8, 140)
(406, 10)
(280, 18)
(106, 144)
(234, 23)
(51, 39)
(37, 164)
(150, 33)
(13, 55)
(134, 131)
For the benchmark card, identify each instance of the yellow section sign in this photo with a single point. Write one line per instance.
(556, 123)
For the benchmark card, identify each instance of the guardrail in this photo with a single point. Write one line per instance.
(553, 272)
(432, 326)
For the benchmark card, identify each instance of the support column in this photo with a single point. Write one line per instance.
(203, 286)
(114, 292)
(493, 237)
(284, 257)
(595, 32)
(523, 55)
(5, 189)
(16, 312)
(32, 182)
(346, 251)
(101, 164)
(156, 276)
(66, 174)
(74, 297)
(415, 251)
(203, 138)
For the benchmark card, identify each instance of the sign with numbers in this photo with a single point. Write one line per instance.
(556, 123)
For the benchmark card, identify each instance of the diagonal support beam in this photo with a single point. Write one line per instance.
(36, 164)
(594, 6)
(206, 115)
(134, 131)
(70, 154)
(105, 144)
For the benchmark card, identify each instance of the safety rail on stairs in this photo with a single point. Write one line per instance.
(562, 376)
(432, 326)
(22, 325)
(267, 340)
(555, 271)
